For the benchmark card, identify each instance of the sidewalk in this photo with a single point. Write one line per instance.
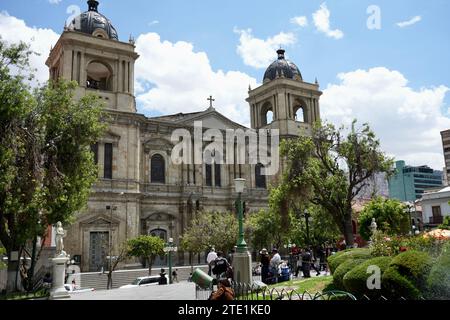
(178, 291)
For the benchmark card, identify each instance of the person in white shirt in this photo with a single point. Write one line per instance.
(212, 256)
(274, 263)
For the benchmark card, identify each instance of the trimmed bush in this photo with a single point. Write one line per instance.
(355, 281)
(439, 278)
(406, 275)
(335, 260)
(342, 270)
(396, 286)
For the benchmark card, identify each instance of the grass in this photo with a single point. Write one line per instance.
(311, 285)
(24, 296)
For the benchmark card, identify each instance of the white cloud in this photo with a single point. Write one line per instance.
(407, 121)
(172, 78)
(14, 30)
(153, 23)
(54, 1)
(259, 53)
(322, 22)
(301, 21)
(410, 22)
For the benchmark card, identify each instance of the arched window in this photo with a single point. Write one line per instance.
(299, 113)
(267, 115)
(99, 76)
(260, 179)
(158, 169)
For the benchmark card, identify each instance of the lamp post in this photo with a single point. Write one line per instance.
(409, 206)
(240, 185)
(169, 248)
(242, 260)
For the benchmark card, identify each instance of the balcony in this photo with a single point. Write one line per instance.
(436, 220)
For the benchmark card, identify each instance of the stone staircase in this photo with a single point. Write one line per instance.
(99, 280)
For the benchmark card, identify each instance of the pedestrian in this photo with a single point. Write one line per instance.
(224, 291)
(221, 266)
(175, 275)
(47, 281)
(190, 277)
(321, 256)
(265, 263)
(299, 263)
(313, 262)
(212, 256)
(274, 265)
(162, 277)
(306, 263)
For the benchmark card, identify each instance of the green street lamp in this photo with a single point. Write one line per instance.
(169, 248)
(239, 185)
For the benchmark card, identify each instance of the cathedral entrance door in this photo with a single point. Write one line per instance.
(98, 247)
(160, 261)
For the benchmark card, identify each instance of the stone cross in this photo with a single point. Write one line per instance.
(210, 99)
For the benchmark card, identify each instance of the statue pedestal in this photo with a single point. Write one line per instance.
(242, 267)
(59, 267)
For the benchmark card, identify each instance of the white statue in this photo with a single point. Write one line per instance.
(373, 226)
(60, 234)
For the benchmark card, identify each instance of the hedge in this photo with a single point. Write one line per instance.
(439, 278)
(342, 270)
(407, 274)
(335, 260)
(355, 281)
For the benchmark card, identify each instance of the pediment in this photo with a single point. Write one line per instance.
(157, 143)
(160, 216)
(100, 220)
(111, 137)
(213, 119)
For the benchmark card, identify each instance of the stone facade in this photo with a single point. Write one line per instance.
(125, 202)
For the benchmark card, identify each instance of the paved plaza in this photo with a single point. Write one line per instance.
(177, 291)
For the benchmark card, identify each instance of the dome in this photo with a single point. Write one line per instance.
(282, 68)
(94, 23)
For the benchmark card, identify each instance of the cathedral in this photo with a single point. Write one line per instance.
(140, 190)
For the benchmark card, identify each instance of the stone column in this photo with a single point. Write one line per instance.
(59, 269)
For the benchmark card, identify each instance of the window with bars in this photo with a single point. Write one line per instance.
(108, 163)
(260, 179)
(158, 169)
(208, 175)
(217, 175)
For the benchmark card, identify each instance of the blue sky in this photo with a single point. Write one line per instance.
(400, 65)
(420, 52)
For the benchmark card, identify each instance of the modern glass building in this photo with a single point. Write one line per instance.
(409, 183)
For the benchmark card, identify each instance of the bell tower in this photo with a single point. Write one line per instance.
(90, 53)
(284, 101)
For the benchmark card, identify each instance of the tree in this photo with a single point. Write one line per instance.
(147, 247)
(46, 167)
(122, 255)
(211, 229)
(329, 169)
(445, 224)
(2, 252)
(265, 229)
(390, 215)
(321, 227)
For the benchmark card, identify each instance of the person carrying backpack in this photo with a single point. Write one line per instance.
(221, 265)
